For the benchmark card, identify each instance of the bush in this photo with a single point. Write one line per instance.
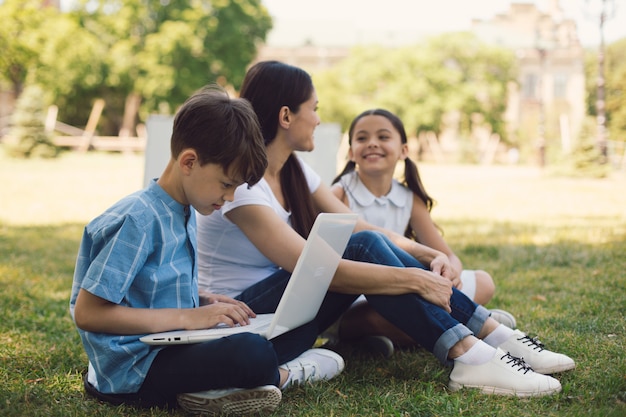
(28, 136)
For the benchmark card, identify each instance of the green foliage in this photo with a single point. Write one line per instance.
(164, 51)
(585, 160)
(28, 134)
(615, 87)
(568, 289)
(555, 247)
(160, 50)
(616, 90)
(421, 83)
(21, 39)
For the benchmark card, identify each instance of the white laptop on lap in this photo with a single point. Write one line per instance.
(303, 295)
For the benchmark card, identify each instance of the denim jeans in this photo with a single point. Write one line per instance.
(243, 360)
(429, 325)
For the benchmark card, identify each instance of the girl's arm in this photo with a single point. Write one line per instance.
(96, 314)
(427, 233)
(334, 202)
(283, 245)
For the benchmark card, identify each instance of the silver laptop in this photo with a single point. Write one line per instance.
(303, 295)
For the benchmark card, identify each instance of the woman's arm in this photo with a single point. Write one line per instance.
(283, 245)
(96, 314)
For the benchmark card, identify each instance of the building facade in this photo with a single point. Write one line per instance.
(548, 100)
(546, 104)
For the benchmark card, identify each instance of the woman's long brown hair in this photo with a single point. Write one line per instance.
(270, 85)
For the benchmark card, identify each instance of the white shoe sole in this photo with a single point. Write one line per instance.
(254, 400)
(454, 386)
(555, 369)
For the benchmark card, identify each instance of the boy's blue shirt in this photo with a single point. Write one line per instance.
(140, 253)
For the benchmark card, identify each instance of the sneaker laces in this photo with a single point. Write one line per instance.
(519, 362)
(532, 342)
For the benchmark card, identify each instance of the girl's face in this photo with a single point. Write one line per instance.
(376, 145)
(302, 125)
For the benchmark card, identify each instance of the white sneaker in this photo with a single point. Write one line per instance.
(313, 365)
(532, 351)
(231, 401)
(503, 375)
(504, 317)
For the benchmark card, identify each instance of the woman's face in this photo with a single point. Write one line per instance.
(302, 125)
(376, 145)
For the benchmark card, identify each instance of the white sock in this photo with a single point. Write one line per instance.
(478, 354)
(500, 335)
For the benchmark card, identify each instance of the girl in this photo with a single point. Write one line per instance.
(378, 140)
(249, 248)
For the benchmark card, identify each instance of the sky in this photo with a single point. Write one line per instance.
(356, 21)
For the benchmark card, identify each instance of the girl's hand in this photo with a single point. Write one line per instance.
(441, 265)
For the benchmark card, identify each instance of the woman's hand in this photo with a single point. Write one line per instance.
(434, 288)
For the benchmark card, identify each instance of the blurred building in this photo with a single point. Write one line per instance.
(548, 100)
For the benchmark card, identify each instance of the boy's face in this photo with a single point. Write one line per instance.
(208, 187)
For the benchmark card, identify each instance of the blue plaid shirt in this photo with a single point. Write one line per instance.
(139, 253)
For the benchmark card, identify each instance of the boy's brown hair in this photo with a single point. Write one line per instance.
(223, 131)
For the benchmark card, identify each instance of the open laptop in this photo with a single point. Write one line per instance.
(303, 295)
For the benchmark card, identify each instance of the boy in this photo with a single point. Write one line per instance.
(136, 273)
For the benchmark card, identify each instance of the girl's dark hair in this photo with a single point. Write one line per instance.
(411, 179)
(270, 85)
(223, 131)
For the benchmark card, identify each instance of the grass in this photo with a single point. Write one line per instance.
(554, 245)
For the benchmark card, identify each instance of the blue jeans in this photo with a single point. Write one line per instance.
(429, 325)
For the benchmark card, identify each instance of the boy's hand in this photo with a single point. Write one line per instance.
(234, 311)
(230, 314)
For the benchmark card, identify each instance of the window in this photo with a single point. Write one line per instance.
(560, 85)
(530, 86)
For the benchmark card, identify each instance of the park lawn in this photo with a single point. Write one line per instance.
(555, 247)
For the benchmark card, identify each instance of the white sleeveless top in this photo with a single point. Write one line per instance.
(228, 262)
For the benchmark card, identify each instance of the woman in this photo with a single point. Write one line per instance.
(248, 249)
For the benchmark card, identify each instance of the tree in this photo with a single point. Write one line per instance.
(28, 134)
(421, 83)
(162, 51)
(153, 52)
(20, 39)
(615, 88)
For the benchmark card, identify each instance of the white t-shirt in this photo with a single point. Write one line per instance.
(228, 262)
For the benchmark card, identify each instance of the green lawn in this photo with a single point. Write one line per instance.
(555, 247)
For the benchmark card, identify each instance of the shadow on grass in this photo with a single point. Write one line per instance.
(565, 283)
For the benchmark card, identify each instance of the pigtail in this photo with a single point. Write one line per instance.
(414, 183)
(350, 166)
